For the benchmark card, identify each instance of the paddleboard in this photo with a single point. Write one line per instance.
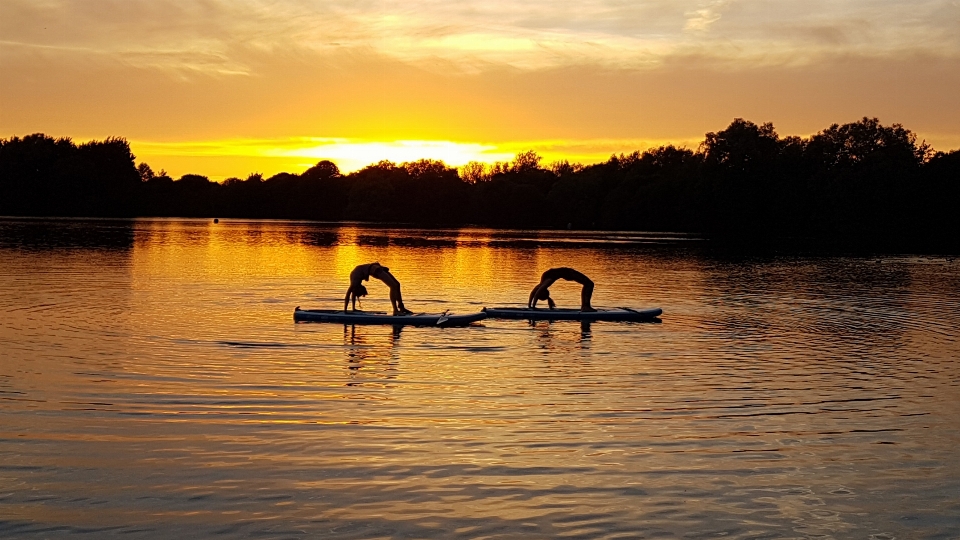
(601, 314)
(379, 317)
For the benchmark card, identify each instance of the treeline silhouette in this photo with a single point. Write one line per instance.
(859, 184)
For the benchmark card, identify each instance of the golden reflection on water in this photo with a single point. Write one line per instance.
(153, 383)
(461, 266)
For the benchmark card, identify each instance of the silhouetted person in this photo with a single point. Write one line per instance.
(542, 290)
(363, 273)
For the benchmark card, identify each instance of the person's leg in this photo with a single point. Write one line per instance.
(397, 299)
(585, 296)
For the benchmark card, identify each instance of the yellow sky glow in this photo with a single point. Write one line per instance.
(298, 154)
(229, 88)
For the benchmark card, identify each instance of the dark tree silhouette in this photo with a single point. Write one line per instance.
(860, 185)
(40, 175)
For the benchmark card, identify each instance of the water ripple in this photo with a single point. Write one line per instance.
(153, 385)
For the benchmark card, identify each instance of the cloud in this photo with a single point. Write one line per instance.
(700, 20)
(468, 71)
(220, 37)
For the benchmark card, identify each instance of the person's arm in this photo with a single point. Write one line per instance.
(532, 301)
(355, 276)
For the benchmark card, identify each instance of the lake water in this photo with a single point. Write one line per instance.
(154, 385)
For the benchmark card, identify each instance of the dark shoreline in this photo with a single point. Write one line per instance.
(859, 187)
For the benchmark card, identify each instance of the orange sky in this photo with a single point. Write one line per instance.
(229, 88)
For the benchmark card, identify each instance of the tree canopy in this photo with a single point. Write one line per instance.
(861, 182)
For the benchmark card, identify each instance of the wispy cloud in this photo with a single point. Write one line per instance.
(221, 38)
(563, 74)
(700, 20)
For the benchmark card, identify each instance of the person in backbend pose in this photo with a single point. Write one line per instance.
(363, 273)
(542, 290)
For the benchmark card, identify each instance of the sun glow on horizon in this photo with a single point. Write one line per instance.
(232, 158)
(227, 89)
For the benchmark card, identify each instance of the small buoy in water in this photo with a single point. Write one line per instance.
(215, 220)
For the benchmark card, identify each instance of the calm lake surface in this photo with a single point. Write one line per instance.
(153, 384)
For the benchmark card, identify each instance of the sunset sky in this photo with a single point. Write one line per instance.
(227, 88)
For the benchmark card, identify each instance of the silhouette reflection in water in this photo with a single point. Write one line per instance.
(557, 336)
(372, 355)
(53, 235)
